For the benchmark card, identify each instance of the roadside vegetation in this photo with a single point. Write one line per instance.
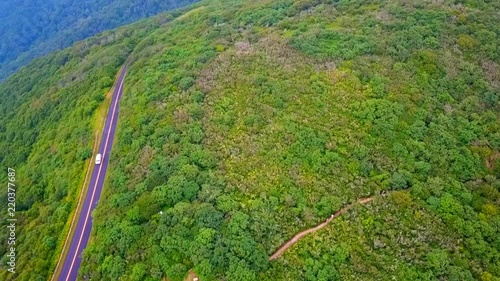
(47, 134)
(245, 122)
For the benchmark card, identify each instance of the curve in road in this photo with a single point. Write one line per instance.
(81, 237)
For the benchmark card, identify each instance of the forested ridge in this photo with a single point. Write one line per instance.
(30, 29)
(48, 123)
(245, 122)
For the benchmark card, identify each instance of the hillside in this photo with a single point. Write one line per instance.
(245, 122)
(50, 113)
(30, 29)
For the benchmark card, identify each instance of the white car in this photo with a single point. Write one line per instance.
(98, 159)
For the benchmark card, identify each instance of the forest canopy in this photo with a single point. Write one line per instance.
(243, 123)
(30, 29)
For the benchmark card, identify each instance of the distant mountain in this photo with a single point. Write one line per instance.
(32, 28)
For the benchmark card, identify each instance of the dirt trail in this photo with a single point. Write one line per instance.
(301, 234)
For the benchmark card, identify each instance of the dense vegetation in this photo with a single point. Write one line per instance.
(35, 28)
(47, 124)
(244, 122)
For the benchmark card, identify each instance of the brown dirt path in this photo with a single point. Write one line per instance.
(301, 234)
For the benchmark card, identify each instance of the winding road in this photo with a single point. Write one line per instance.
(80, 239)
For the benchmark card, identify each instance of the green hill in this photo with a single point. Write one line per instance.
(245, 122)
(34, 28)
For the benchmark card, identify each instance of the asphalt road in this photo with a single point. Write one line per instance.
(84, 223)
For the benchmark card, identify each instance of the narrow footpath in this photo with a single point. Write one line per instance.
(301, 234)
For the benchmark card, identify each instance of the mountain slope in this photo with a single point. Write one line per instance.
(248, 122)
(50, 114)
(32, 29)
(245, 122)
